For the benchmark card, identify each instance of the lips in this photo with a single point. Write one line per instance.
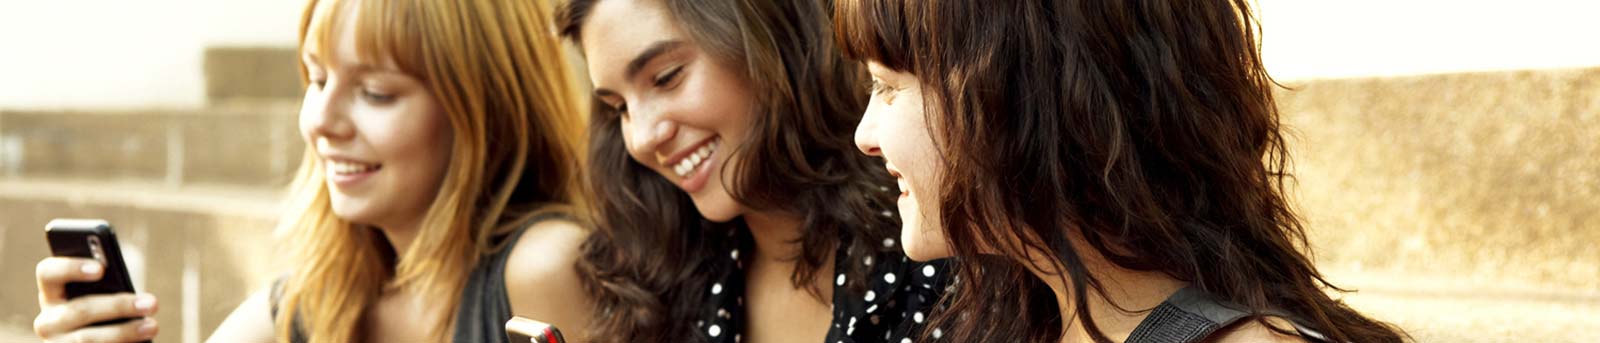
(347, 167)
(689, 160)
(899, 181)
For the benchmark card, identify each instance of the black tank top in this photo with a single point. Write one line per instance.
(1192, 315)
(483, 309)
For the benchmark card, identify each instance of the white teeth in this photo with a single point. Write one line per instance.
(347, 168)
(688, 164)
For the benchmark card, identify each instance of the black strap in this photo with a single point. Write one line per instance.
(1192, 315)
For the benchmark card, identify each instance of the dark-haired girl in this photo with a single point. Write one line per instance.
(1105, 170)
(730, 203)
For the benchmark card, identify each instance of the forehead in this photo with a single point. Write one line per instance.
(339, 34)
(618, 30)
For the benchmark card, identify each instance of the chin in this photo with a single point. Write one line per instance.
(350, 210)
(921, 245)
(717, 210)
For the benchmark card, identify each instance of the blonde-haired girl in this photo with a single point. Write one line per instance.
(436, 196)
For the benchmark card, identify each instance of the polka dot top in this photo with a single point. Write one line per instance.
(894, 307)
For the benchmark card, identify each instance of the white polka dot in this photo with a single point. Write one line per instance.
(927, 271)
(882, 188)
(888, 214)
(888, 242)
(839, 280)
(867, 261)
(872, 309)
(917, 317)
(871, 295)
(888, 277)
(905, 340)
(723, 313)
(937, 333)
(716, 288)
(735, 254)
(852, 321)
(714, 330)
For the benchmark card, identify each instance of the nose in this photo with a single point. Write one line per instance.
(649, 130)
(324, 116)
(866, 132)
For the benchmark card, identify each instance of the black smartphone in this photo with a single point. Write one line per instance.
(91, 239)
(524, 330)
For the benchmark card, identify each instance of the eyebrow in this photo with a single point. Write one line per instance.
(639, 61)
(655, 50)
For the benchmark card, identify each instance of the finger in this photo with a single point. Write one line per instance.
(53, 273)
(86, 310)
(133, 331)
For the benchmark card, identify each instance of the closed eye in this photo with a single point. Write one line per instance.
(881, 90)
(377, 97)
(667, 77)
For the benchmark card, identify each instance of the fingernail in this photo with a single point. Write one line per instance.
(144, 302)
(91, 268)
(148, 328)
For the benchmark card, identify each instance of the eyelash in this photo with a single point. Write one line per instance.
(375, 97)
(882, 90)
(660, 81)
(368, 94)
(664, 79)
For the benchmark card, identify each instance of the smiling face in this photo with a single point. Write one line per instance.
(382, 140)
(894, 128)
(681, 111)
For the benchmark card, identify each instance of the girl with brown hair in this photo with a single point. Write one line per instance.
(1107, 170)
(730, 203)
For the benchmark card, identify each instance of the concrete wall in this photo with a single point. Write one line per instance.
(1489, 175)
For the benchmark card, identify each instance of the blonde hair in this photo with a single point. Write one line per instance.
(498, 73)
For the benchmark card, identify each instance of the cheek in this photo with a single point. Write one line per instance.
(416, 140)
(310, 113)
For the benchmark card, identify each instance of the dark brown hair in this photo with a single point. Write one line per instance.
(652, 254)
(1147, 128)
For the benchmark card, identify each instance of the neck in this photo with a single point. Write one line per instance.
(400, 238)
(1135, 292)
(777, 236)
(777, 255)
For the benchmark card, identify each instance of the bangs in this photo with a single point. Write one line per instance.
(384, 32)
(874, 30)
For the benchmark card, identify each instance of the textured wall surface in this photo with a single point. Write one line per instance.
(1466, 207)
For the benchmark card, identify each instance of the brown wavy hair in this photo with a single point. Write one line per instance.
(652, 254)
(1147, 128)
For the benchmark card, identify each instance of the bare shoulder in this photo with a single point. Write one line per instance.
(542, 280)
(546, 252)
(250, 322)
(1252, 330)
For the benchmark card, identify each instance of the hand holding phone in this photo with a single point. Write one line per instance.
(524, 330)
(85, 292)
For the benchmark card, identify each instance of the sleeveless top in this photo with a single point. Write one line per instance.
(484, 307)
(1192, 315)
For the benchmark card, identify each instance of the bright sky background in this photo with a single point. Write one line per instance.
(1352, 38)
(85, 54)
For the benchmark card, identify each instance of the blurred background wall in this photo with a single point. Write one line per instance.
(1445, 152)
